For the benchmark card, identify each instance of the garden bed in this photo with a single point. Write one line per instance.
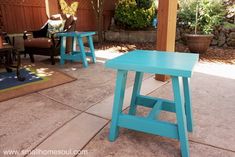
(214, 54)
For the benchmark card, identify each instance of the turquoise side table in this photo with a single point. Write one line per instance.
(76, 55)
(180, 67)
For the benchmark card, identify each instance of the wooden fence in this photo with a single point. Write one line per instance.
(19, 15)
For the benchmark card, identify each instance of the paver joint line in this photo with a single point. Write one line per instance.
(209, 145)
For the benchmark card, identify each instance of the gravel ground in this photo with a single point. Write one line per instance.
(214, 54)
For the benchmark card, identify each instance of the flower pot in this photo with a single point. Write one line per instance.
(198, 43)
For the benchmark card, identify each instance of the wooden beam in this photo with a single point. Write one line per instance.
(166, 30)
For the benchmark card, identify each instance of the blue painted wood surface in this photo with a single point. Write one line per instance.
(180, 116)
(75, 34)
(135, 92)
(188, 106)
(156, 127)
(174, 64)
(118, 103)
(76, 55)
(180, 67)
(154, 113)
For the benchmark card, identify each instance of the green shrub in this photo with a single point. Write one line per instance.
(210, 14)
(144, 3)
(130, 16)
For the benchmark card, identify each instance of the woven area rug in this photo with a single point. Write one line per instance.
(36, 79)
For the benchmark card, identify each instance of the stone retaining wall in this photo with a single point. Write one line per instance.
(131, 36)
(223, 37)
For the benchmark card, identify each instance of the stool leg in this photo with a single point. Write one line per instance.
(136, 92)
(188, 106)
(91, 45)
(62, 50)
(180, 115)
(83, 53)
(118, 103)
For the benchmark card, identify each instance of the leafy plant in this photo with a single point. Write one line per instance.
(130, 16)
(144, 3)
(201, 15)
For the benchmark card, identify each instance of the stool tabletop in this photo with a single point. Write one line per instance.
(157, 62)
(76, 34)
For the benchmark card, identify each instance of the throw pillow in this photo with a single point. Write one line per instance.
(55, 26)
(66, 9)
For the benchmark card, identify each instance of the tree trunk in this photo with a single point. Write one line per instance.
(98, 7)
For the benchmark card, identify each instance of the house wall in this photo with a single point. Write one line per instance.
(19, 15)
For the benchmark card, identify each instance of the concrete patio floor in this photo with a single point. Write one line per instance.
(76, 115)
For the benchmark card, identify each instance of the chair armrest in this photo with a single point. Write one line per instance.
(37, 33)
(26, 34)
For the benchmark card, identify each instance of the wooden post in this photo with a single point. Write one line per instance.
(166, 30)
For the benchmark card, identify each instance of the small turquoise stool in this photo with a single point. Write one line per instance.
(180, 67)
(76, 55)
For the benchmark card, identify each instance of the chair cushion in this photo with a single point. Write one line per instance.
(38, 42)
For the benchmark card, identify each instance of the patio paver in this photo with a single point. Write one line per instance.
(28, 120)
(104, 108)
(93, 85)
(213, 108)
(137, 144)
(34, 120)
(73, 135)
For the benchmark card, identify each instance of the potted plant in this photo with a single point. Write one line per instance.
(200, 17)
